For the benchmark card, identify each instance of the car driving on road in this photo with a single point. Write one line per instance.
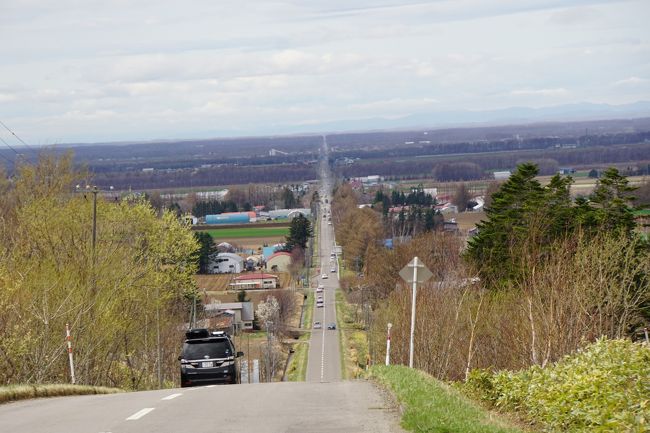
(208, 357)
(317, 325)
(324, 276)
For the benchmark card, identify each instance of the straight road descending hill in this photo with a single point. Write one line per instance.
(324, 362)
(341, 407)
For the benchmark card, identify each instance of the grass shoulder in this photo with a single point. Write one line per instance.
(429, 405)
(354, 339)
(297, 370)
(24, 392)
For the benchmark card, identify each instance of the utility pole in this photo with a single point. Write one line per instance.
(95, 191)
(158, 354)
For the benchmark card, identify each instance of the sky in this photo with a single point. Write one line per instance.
(97, 71)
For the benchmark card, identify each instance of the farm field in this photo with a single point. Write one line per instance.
(249, 232)
(467, 220)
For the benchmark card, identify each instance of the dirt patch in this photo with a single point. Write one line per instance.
(255, 244)
(467, 220)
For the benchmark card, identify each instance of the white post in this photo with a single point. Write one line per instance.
(390, 325)
(68, 338)
(415, 291)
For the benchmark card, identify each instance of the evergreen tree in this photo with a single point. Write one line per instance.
(507, 221)
(611, 202)
(299, 233)
(206, 248)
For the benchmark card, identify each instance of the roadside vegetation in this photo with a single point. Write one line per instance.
(603, 387)
(123, 295)
(545, 276)
(354, 339)
(24, 392)
(297, 370)
(429, 405)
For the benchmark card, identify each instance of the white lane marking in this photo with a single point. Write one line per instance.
(210, 386)
(139, 414)
(322, 355)
(172, 396)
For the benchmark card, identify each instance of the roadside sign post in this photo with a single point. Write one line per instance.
(415, 272)
(390, 325)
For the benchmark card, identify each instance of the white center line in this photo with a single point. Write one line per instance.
(172, 396)
(139, 414)
(322, 354)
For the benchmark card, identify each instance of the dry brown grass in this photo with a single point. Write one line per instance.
(24, 392)
(467, 220)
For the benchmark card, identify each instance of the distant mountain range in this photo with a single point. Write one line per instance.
(433, 120)
(506, 116)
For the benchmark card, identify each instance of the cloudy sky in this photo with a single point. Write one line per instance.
(89, 70)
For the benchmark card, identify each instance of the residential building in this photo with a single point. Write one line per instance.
(241, 311)
(279, 262)
(255, 281)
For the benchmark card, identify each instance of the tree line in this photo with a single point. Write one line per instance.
(124, 292)
(545, 274)
(477, 166)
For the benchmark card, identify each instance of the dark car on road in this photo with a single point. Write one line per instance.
(208, 358)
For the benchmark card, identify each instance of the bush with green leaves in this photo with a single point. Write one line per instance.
(605, 387)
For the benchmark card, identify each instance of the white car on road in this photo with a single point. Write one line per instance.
(324, 276)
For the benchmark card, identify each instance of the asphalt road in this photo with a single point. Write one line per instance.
(341, 407)
(322, 404)
(324, 361)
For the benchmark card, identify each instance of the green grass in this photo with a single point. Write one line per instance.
(23, 392)
(431, 406)
(345, 374)
(309, 309)
(248, 232)
(353, 341)
(297, 371)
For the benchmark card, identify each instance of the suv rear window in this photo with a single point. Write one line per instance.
(206, 349)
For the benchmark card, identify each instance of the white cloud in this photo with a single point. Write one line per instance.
(631, 82)
(94, 70)
(540, 92)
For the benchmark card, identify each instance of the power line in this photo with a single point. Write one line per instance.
(14, 134)
(7, 144)
(19, 139)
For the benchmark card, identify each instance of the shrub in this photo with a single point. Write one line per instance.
(605, 387)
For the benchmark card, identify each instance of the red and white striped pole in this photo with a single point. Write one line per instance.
(390, 325)
(68, 338)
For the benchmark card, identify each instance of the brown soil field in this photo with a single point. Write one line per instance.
(254, 243)
(467, 220)
(219, 282)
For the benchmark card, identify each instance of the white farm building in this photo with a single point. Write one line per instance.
(226, 263)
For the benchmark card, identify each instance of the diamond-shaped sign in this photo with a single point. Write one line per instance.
(423, 273)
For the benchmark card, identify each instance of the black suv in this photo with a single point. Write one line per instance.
(208, 357)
